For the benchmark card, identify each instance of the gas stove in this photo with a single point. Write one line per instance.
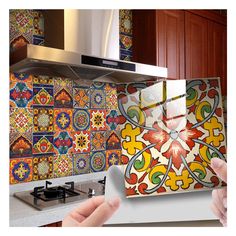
(46, 197)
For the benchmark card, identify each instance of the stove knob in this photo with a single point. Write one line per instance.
(91, 192)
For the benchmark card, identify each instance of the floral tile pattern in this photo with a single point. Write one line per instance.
(98, 139)
(21, 91)
(62, 165)
(81, 119)
(113, 141)
(112, 119)
(42, 143)
(63, 119)
(42, 167)
(81, 98)
(81, 163)
(63, 142)
(170, 136)
(98, 119)
(113, 157)
(81, 141)
(43, 95)
(111, 97)
(98, 98)
(98, 161)
(20, 145)
(20, 170)
(43, 119)
(21, 120)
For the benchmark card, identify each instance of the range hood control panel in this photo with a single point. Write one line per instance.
(94, 61)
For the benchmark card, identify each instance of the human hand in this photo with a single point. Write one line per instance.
(219, 196)
(93, 212)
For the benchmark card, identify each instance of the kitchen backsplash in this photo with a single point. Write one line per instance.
(59, 127)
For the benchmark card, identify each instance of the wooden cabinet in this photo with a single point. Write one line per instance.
(190, 43)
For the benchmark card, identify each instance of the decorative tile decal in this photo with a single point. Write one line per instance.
(98, 119)
(63, 142)
(63, 93)
(43, 95)
(111, 97)
(98, 98)
(81, 119)
(81, 163)
(21, 120)
(43, 79)
(62, 165)
(81, 98)
(42, 143)
(20, 145)
(63, 119)
(98, 140)
(42, 167)
(113, 157)
(20, 170)
(81, 141)
(113, 141)
(112, 119)
(43, 119)
(98, 161)
(21, 91)
(170, 136)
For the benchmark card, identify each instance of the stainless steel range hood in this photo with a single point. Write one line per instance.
(39, 60)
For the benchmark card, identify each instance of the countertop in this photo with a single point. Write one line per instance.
(23, 215)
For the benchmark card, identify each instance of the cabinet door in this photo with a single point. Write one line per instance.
(170, 42)
(217, 53)
(196, 42)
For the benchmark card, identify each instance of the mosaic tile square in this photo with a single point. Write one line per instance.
(43, 119)
(165, 151)
(98, 161)
(62, 165)
(125, 21)
(42, 167)
(112, 119)
(81, 163)
(20, 145)
(63, 93)
(111, 97)
(81, 119)
(21, 91)
(113, 157)
(63, 142)
(98, 119)
(21, 120)
(43, 79)
(63, 119)
(42, 143)
(20, 170)
(98, 98)
(43, 95)
(38, 21)
(81, 141)
(113, 140)
(98, 139)
(125, 42)
(81, 98)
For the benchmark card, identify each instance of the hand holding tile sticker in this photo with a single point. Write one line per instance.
(170, 130)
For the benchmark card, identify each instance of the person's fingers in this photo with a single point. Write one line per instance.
(102, 213)
(220, 168)
(217, 200)
(85, 209)
(217, 212)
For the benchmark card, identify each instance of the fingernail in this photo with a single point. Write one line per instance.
(216, 163)
(114, 202)
(225, 202)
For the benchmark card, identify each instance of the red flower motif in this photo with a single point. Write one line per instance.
(174, 138)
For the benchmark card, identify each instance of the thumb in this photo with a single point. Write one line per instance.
(220, 168)
(102, 213)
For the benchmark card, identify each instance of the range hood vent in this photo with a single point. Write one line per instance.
(39, 60)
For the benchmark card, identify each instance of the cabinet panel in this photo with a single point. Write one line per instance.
(217, 53)
(170, 42)
(196, 40)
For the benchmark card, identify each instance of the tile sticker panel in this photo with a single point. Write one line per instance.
(61, 127)
(169, 137)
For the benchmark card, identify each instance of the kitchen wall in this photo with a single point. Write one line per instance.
(58, 127)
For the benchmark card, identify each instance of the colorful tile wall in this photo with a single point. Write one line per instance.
(169, 135)
(26, 26)
(125, 34)
(59, 127)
